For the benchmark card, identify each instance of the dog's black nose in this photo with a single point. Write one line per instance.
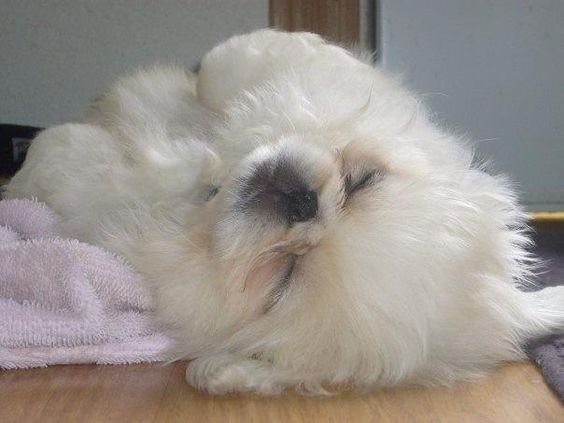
(302, 205)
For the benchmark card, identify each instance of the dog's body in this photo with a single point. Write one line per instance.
(350, 240)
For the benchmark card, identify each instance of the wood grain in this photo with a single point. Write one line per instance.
(336, 20)
(155, 393)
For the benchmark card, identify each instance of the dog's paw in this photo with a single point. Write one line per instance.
(244, 61)
(225, 374)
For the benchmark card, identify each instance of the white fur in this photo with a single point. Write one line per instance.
(412, 279)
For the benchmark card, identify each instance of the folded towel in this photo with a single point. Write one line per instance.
(63, 301)
(548, 352)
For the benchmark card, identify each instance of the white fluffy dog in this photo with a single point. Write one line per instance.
(301, 220)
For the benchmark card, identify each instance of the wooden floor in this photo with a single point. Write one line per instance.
(154, 393)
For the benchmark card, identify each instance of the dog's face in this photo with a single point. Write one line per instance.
(300, 237)
(284, 201)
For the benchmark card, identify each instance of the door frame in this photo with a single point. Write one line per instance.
(348, 22)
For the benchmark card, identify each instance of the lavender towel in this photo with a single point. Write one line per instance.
(63, 301)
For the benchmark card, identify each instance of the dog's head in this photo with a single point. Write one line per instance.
(336, 221)
(332, 259)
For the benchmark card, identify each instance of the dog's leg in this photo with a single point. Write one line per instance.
(221, 374)
(57, 159)
(244, 61)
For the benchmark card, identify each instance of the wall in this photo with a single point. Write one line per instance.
(493, 70)
(56, 55)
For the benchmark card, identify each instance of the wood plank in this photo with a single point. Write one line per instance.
(155, 393)
(336, 20)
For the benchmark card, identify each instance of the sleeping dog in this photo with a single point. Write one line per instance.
(300, 219)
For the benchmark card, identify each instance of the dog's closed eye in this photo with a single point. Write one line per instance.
(353, 184)
(357, 180)
(361, 169)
